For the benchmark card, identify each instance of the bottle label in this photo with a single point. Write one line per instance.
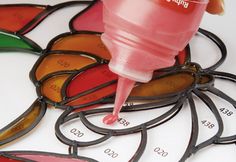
(182, 3)
(182, 6)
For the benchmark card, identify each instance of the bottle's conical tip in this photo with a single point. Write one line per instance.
(124, 88)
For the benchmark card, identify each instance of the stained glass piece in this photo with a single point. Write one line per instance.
(7, 159)
(15, 17)
(170, 84)
(94, 96)
(58, 62)
(89, 19)
(87, 42)
(51, 88)
(89, 79)
(52, 157)
(92, 84)
(9, 42)
(23, 124)
(182, 56)
(205, 79)
(95, 77)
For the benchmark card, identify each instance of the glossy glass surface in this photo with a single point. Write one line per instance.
(94, 96)
(58, 62)
(90, 20)
(13, 18)
(6, 159)
(22, 124)
(90, 79)
(9, 41)
(171, 84)
(89, 42)
(49, 158)
(91, 85)
(51, 88)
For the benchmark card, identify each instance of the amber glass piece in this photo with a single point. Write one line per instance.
(205, 79)
(169, 84)
(90, 43)
(13, 18)
(22, 124)
(58, 62)
(51, 88)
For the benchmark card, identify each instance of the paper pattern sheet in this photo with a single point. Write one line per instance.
(165, 143)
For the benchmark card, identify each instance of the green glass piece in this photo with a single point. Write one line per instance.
(12, 42)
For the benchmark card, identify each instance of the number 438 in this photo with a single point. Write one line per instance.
(226, 111)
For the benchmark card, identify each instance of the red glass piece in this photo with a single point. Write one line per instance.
(89, 19)
(182, 56)
(94, 96)
(90, 79)
(13, 18)
(6, 159)
(48, 157)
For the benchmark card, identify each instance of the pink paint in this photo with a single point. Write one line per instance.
(146, 35)
(125, 86)
(91, 19)
(48, 158)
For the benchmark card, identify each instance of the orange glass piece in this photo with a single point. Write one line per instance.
(89, 42)
(59, 62)
(13, 18)
(51, 88)
(170, 84)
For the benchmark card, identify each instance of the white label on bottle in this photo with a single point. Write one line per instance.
(180, 3)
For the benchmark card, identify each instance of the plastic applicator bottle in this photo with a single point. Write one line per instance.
(145, 35)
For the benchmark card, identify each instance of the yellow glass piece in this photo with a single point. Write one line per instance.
(22, 124)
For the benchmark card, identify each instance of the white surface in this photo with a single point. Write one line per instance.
(17, 94)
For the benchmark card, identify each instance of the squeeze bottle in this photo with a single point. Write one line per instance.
(145, 35)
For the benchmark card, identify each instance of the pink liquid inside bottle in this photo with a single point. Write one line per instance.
(145, 35)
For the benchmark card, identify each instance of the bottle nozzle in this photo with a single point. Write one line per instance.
(124, 88)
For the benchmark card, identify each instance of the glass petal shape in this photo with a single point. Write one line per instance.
(90, 79)
(95, 96)
(54, 62)
(15, 17)
(166, 85)
(8, 159)
(89, 19)
(82, 41)
(23, 124)
(12, 42)
(46, 157)
(91, 85)
(51, 88)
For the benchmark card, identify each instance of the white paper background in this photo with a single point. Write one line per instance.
(18, 93)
